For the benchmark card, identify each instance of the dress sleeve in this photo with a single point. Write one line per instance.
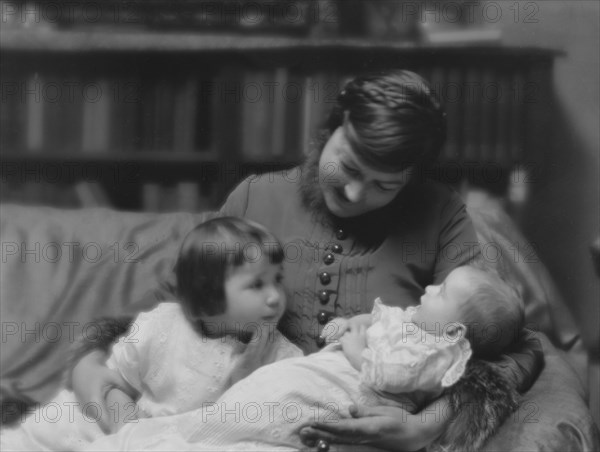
(132, 354)
(457, 240)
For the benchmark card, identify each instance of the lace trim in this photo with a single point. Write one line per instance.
(457, 370)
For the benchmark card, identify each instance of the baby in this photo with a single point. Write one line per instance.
(404, 358)
(188, 352)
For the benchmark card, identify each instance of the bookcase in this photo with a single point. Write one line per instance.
(147, 120)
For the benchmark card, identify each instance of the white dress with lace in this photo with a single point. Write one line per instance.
(175, 369)
(266, 410)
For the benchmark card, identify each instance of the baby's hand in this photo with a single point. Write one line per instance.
(335, 329)
(354, 341)
(354, 338)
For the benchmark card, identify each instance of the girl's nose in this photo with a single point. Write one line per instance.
(274, 298)
(354, 191)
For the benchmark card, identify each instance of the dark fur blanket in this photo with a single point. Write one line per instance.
(481, 401)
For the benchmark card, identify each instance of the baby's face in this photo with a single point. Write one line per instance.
(440, 305)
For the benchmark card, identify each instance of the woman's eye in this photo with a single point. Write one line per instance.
(385, 188)
(349, 170)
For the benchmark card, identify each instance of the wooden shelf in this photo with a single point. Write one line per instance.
(134, 41)
(155, 157)
(137, 166)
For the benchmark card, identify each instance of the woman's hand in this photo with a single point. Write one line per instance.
(384, 427)
(92, 380)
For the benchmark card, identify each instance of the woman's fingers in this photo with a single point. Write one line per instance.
(349, 431)
(371, 411)
(310, 437)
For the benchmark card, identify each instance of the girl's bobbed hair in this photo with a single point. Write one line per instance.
(392, 119)
(209, 251)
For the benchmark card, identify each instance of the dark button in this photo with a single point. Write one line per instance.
(329, 259)
(320, 341)
(337, 248)
(323, 317)
(325, 278)
(323, 296)
(322, 446)
(341, 234)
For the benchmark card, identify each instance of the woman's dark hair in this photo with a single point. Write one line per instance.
(392, 119)
(209, 251)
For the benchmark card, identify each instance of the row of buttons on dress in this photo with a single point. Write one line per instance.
(325, 278)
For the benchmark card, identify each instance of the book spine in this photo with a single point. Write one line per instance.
(281, 108)
(256, 115)
(185, 115)
(502, 145)
(472, 118)
(517, 118)
(453, 98)
(97, 118)
(490, 98)
(35, 114)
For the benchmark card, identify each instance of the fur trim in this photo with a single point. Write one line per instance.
(481, 400)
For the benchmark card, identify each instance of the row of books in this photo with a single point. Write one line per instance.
(184, 196)
(69, 114)
(486, 112)
(265, 114)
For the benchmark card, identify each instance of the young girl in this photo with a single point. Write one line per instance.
(405, 358)
(180, 356)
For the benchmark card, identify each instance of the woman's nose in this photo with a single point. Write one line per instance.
(354, 191)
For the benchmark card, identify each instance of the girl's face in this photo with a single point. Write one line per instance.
(254, 295)
(440, 305)
(350, 188)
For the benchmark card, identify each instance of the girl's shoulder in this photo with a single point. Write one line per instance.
(284, 348)
(165, 314)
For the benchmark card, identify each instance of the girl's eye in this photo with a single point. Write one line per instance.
(258, 284)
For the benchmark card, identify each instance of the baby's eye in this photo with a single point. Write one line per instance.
(279, 278)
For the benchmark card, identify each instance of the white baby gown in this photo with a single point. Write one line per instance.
(163, 357)
(266, 410)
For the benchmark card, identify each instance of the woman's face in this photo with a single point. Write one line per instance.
(349, 187)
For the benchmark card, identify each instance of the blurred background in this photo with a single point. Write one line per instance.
(164, 106)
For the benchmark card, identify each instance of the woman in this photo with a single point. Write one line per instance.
(358, 221)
